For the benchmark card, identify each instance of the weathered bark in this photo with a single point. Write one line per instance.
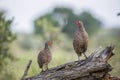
(93, 68)
(26, 70)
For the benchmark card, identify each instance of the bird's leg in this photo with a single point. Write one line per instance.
(78, 58)
(42, 69)
(85, 55)
(79, 61)
(47, 66)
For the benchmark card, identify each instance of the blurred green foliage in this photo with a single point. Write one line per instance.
(46, 29)
(65, 19)
(6, 37)
(25, 42)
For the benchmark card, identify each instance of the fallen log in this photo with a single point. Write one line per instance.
(95, 67)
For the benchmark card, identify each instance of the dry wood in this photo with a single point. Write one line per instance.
(95, 67)
(26, 70)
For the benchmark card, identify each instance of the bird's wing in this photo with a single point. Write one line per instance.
(40, 59)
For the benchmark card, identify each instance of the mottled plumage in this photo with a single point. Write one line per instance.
(80, 41)
(45, 56)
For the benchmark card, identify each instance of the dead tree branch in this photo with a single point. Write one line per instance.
(95, 67)
(26, 70)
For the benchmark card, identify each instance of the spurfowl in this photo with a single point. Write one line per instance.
(45, 56)
(80, 41)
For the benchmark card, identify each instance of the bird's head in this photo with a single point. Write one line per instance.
(49, 43)
(79, 23)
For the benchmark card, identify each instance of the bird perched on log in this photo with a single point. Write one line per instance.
(45, 56)
(80, 41)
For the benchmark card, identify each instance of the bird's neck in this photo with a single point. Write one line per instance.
(46, 46)
(81, 28)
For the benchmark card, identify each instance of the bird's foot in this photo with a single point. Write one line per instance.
(47, 69)
(79, 62)
(42, 71)
(86, 57)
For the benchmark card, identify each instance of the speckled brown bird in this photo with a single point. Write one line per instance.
(80, 41)
(45, 56)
